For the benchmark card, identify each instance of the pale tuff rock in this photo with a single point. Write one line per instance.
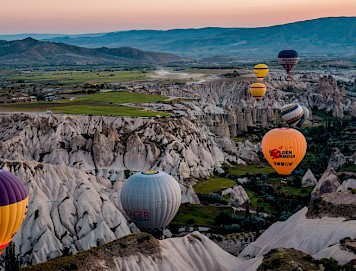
(107, 146)
(335, 252)
(308, 235)
(189, 195)
(238, 195)
(68, 209)
(248, 156)
(346, 185)
(337, 159)
(308, 179)
(328, 183)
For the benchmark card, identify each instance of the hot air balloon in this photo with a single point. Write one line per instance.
(261, 71)
(304, 117)
(288, 59)
(151, 199)
(284, 149)
(258, 90)
(13, 207)
(291, 113)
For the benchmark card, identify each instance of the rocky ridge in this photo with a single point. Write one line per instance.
(109, 146)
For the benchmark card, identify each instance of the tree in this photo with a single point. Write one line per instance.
(11, 261)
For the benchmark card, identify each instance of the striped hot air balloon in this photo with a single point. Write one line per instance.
(288, 59)
(13, 207)
(284, 149)
(258, 90)
(261, 71)
(304, 117)
(291, 113)
(151, 199)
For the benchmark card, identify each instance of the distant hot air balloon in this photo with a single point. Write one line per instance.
(258, 90)
(261, 71)
(304, 117)
(291, 113)
(13, 207)
(288, 59)
(284, 149)
(151, 199)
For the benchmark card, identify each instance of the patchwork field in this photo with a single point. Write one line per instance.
(109, 103)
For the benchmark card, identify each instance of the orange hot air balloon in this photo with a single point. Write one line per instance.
(258, 90)
(284, 149)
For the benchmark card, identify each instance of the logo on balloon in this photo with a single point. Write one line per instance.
(139, 214)
(275, 154)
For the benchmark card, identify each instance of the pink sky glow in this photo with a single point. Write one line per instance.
(88, 16)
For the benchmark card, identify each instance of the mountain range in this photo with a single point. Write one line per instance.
(334, 37)
(33, 52)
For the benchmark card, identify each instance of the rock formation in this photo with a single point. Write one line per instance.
(337, 159)
(308, 179)
(238, 195)
(189, 195)
(329, 182)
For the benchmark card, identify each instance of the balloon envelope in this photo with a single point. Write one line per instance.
(151, 199)
(261, 71)
(258, 90)
(304, 117)
(13, 207)
(291, 113)
(284, 149)
(288, 59)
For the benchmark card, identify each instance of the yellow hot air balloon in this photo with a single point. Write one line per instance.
(13, 207)
(258, 90)
(261, 71)
(284, 149)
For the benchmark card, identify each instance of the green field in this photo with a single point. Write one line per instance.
(201, 215)
(296, 191)
(94, 104)
(241, 170)
(213, 184)
(76, 77)
(121, 97)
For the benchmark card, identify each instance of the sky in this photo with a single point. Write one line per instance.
(91, 16)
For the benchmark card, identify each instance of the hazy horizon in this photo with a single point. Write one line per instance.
(80, 16)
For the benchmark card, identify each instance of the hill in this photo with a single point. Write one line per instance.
(312, 38)
(33, 52)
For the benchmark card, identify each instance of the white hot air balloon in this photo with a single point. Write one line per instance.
(291, 113)
(304, 117)
(151, 199)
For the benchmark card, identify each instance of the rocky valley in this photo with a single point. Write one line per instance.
(74, 166)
